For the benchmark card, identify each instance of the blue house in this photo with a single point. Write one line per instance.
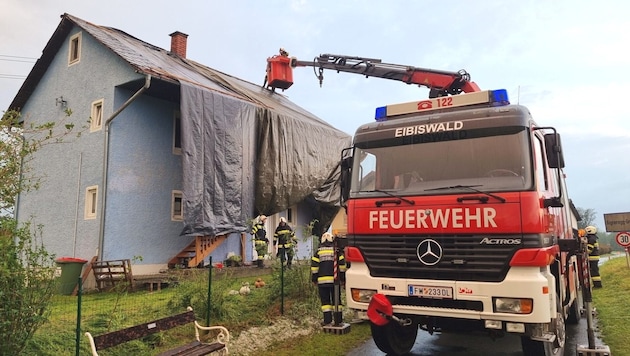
(174, 158)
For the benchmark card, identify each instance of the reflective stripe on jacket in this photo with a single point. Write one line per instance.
(322, 265)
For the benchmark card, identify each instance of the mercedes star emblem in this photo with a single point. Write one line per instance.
(429, 252)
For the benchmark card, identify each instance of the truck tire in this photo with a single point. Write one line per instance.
(575, 311)
(393, 338)
(539, 348)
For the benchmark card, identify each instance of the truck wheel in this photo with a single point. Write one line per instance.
(556, 348)
(575, 311)
(393, 338)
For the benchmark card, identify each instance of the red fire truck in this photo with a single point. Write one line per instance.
(458, 214)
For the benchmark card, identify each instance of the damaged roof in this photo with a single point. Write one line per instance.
(161, 64)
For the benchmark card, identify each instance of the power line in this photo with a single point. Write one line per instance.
(20, 57)
(16, 60)
(11, 76)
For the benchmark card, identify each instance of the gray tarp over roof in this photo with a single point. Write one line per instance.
(246, 150)
(241, 160)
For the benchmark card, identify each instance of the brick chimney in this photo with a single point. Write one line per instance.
(178, 43)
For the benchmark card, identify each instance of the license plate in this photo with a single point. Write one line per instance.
(430, 292)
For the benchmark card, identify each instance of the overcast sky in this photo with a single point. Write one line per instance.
(565, 60)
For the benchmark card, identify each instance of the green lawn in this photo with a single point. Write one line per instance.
(101, 312)
(611, 304)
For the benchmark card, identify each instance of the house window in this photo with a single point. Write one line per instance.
(91, 200)
(177, 133)
(74, 49)
(292, 215)
(96, 119)
(177, 206)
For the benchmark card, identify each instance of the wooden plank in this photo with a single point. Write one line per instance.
(139, 331)
(86, 273)
(109, 273)
(194, 348)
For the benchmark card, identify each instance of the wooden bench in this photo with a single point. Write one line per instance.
(195, 348)
(110, 273)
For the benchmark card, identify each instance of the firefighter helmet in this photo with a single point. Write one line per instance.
(327, 236)
(283, 220)
(591, 230)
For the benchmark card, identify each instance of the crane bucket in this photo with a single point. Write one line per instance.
(279, 72)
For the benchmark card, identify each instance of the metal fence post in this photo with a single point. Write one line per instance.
(78, 331)
(209, 292)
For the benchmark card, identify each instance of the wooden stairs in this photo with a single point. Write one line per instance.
(193, 254)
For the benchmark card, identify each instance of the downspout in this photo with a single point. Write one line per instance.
(101, 234)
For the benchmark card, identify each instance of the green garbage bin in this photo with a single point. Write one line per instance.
(70, 272)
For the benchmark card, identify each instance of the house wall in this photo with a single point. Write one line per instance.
(301, 220)
(142, 173)
(67, 169)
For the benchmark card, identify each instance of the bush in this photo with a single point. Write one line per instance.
(26, 285)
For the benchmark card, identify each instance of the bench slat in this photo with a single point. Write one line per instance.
(139, 331)
(194, 348)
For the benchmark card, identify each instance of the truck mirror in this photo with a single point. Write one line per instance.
(553, 148)
(346, 177)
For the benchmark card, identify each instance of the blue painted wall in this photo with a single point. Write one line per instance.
(67, 169)
(142, 169)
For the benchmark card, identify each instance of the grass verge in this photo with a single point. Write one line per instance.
(611, 303)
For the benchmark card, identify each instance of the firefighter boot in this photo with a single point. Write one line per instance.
(259, 263)
(328, 318)
(597, 284)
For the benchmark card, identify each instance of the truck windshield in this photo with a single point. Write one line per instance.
(490, 163)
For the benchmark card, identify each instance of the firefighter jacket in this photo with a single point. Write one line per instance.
(323, 265)
(592, 245)
(284, 236)
(259, 232)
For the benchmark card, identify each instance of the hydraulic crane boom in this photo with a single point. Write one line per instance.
(440, 83)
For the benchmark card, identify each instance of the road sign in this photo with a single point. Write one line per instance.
(623, 239)
(617, 222)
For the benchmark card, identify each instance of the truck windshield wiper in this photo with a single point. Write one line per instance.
(408, 201)
(469, 187)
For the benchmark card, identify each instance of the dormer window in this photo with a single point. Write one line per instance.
(74, 49)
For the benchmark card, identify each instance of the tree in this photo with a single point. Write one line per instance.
(27, 280)
(588, 217)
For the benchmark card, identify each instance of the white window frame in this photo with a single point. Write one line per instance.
(175, 214)
(96, 117)
(91, 202)
(74, 47)
(177, 120)
(292, 215)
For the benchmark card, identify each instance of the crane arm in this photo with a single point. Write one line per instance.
(440, 83)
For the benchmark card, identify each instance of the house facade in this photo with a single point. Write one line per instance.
(141, 182)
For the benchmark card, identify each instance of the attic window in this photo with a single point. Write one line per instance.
(74, 49)
(96, 118)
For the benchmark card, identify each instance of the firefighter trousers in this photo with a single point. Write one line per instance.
(327, 297)
(595, 277)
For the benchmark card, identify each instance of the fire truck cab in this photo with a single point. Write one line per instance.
(459, 220)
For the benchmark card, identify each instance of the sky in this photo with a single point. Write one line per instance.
(564, 60)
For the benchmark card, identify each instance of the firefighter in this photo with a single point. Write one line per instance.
(260, 239)
(593, 255)
(284, 239)
(323, 275)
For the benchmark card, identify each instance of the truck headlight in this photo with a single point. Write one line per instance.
(513, 305)
(362, 295)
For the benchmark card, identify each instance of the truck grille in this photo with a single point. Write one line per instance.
(464, 257)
